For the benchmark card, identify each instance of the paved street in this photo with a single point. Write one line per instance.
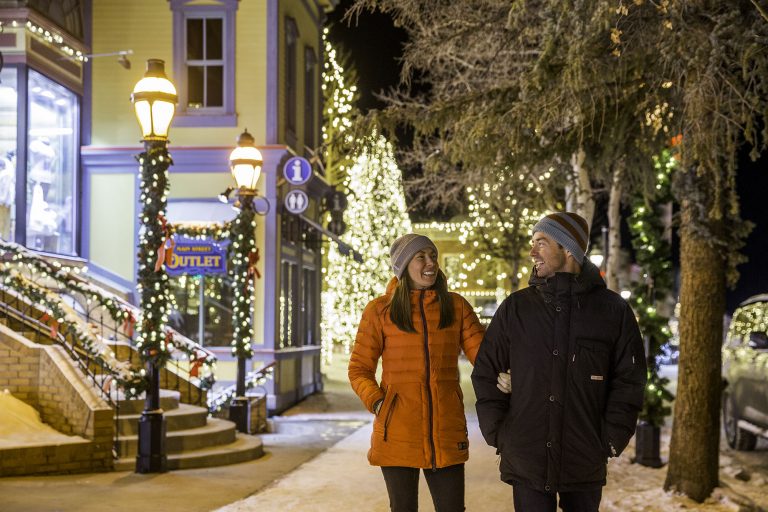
(317, 462)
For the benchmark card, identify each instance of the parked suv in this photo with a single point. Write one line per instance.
(745, 374)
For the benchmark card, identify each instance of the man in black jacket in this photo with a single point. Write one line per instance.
(576, 370)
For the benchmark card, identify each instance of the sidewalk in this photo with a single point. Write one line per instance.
(307, 430)
(341, 480)
(317, 462)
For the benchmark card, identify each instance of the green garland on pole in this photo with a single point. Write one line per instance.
(153, 343)
(244, 259)
(653, 254)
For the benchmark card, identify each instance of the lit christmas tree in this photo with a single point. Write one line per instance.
(366, 170)
(501, 216)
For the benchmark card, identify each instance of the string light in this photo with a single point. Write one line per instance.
(367, 170)
(653, 254)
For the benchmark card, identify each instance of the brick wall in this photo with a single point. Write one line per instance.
(44, 377)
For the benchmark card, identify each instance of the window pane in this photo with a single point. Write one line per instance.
(215, 86)
(195, 86)
(309, 98)
(195, 39)
(308, 306)
(291, 33)
(51, 166)
(214, 35)
(217, 303)
(286, 305)
(8, 116)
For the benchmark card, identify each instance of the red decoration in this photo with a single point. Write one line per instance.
(165, 251)
(52, 323)
(129, 324)
(253, 259)
(107, 384)
(197, 362)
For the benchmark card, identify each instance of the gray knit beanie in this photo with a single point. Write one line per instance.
(569, 230)
(404, 248)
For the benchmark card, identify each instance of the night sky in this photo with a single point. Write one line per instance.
(374, 45)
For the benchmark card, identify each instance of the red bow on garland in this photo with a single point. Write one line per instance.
(129, 324)
(197, 361)
(52, 323)
(253, 259)
(106, 386)
(165, 251)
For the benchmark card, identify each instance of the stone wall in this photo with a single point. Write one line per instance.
(46, 378)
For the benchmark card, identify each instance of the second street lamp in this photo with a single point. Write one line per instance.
(245, 163)
(154, 100)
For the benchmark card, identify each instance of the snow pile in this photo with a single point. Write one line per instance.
(20, 425)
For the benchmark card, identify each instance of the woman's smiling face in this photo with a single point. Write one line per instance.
(423, 268)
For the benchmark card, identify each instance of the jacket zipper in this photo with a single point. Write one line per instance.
(429, 391)
(389, 415)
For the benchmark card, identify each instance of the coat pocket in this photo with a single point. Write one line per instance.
(388, 414)
(592, 358)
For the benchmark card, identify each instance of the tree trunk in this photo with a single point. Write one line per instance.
(579, 191)
(613, 252)
(694, 448)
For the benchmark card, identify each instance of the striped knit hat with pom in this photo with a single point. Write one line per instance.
(569, 230)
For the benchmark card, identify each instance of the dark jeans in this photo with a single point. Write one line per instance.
(446, 485)
(530, 500)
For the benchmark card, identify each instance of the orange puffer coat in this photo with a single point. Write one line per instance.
(421, 422)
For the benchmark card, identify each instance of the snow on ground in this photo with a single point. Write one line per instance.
(636, 488)
(20, 425)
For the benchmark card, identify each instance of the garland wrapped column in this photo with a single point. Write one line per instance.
(653, 254)
(244, 263)
(153, 344)
(244, 259)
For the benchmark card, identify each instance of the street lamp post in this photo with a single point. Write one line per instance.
(245, 163)
(154, 101)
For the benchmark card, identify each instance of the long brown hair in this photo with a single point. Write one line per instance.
(400, 304)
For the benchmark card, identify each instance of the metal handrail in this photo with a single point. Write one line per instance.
(253, 379)
(9, 309)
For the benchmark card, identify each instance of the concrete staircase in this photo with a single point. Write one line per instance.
(193, 440)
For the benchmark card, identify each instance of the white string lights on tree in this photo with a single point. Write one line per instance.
(370, 177)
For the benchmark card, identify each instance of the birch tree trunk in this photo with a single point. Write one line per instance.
(579, 191)
(613, 255)
(694, 448)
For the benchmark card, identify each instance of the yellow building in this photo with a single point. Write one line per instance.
(69, 137)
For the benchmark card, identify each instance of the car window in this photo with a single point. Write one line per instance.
(758, 340)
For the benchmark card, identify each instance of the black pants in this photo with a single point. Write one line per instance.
(446, 485)
(530, 500)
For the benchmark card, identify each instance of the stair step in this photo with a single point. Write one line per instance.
(184, 417)
(216, 432)
(242, 449)
(169, 400)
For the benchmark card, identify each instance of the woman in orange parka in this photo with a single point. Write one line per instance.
(417, 329)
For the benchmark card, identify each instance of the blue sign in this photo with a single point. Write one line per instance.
(297, 170)
(198, 257)
(296, 201)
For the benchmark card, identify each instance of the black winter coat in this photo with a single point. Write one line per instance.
(578, 376)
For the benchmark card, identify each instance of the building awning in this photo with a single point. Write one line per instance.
(344, 248)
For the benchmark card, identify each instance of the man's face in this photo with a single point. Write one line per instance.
(548, 257)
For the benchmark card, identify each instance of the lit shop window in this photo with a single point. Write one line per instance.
(8, 120)
(51, 166)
